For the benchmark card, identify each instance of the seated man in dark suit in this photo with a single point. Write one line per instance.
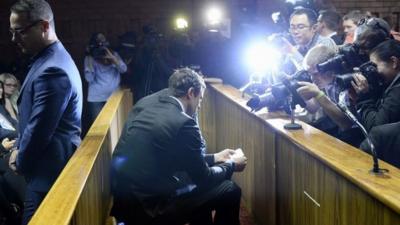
(159, 165)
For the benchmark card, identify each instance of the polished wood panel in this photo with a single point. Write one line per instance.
(228, 123)
(81, 195)
(299, 177)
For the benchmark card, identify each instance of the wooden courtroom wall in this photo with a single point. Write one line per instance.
(303, 177)
(76, 20)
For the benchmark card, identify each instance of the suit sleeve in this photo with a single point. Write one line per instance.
(50, 94)
(386, 139)
(193, 161)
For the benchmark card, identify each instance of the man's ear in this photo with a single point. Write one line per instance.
(45, 25)
(314, 27)
(191, 93)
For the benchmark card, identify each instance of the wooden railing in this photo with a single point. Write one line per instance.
(81, 195)
(302, 177)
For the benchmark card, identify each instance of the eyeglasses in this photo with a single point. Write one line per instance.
(11, 85)
(373, 23)
(23, 30)
(298, 27)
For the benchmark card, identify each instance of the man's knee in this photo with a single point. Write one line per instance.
(232, 190)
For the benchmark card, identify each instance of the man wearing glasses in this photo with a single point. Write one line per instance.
(303, 29)
(50, 103)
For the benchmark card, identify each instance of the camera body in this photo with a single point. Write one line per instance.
(99, 50)
(276, 97)
(368, 69)
(348, 57)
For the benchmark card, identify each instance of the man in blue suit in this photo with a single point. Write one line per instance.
(50, 104)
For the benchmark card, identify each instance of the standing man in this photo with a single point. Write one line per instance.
(160, 166)
(303, 30)
(50, 104)
(350, 21)
(329, 23)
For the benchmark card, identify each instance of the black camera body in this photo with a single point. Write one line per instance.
(368, 69)
(276, 98)
(348, 57)
(99, 50)
(283, 90)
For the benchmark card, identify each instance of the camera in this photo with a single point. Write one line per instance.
(275, 98)
(368, 69)
(348, 57)
(99, 50)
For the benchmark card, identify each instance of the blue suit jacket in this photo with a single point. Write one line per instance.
(50, 108)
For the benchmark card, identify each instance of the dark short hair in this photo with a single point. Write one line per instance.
(36, 10)
(387, 49)
(311, 15)
(183, 79)
(332, 19)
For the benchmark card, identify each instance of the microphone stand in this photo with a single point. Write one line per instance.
(292, 125)
(375, 169)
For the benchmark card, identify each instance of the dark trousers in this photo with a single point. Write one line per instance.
(195, 208)
(31, 203)
(94, 109)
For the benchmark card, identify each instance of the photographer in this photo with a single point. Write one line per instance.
(303, 29)
(382, 107)
(329, 23)
(322, 95)
(102, 72)
(152, 65)
(350, 21)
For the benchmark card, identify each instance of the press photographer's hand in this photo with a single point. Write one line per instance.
(360, 84)
(110, 56)
(308, 90)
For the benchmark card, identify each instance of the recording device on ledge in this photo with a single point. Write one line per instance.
(295, 100)
(342, 106)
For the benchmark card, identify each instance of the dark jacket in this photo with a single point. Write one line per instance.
(158, 141)
(50, 108)
(382, 109)
(386, 139)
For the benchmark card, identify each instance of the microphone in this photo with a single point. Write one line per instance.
(342, 106)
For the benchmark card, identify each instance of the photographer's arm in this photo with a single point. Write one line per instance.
(117, 61)
(331, 110)
(89, 69)
(318, 99)
(374, 112)
(308, 91)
